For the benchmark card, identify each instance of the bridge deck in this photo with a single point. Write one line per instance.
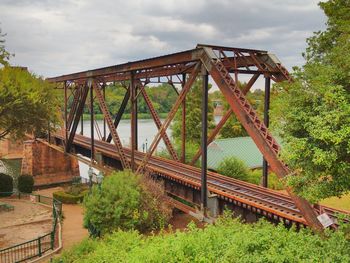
(259, 198)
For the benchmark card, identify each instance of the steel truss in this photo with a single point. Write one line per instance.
(223, 64)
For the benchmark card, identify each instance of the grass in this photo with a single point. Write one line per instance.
(340, 203)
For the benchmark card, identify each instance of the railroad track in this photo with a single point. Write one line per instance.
(264, 201)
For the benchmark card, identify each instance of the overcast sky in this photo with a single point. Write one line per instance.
(54, 37)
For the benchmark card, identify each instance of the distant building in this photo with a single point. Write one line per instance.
(242, 148)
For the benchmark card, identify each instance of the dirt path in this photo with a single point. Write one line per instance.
(73, 231)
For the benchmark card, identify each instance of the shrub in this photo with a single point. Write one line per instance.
(225, 241)
(126, 201)
(234, 168)
(68, 198)
(274, 182)
(25, 183)
(6, 184)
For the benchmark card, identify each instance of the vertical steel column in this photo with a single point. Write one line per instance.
(82, 123)
(92, 121)
(204, 142)
(82, 115)
(104, 119)
(266, 122)
(183, 128)
(133, 121)
(65, 113)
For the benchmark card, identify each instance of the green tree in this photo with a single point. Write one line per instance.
(4, 54)
(126, 201)
(193, 116)
(27, 103)
(233, 128)
(234, 168)
(312, 114)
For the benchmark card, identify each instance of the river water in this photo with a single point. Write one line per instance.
(146, 133)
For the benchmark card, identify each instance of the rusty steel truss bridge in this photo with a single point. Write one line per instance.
(224, 65)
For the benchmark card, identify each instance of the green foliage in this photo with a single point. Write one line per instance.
(225, 241)
(193, 116)
(27, 103)
(6, 184)
(70, 198)
(4, 54)
(233, 128)
(162, 96)
(274, 182)
(313, 113)
(25, 183)
(191, 150)
(233, 167)
(126, 201)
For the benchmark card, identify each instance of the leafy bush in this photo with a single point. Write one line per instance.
(68, 198)
(6, 184)
(76, 189)
(191, 150)
(226, 241)
(234, 168)
(126, 201)
(25, 183)
(273, 181)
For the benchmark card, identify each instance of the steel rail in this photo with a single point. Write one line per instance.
(261, 198)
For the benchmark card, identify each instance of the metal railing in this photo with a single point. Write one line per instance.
(38, 246)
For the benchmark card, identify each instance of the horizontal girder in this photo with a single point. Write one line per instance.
(244, 61)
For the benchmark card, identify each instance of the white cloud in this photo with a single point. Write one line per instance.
(62, 36)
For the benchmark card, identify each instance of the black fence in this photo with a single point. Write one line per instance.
(38, 246)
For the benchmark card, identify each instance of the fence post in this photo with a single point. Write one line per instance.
(39, 198)
(53, 238)
(39, 246)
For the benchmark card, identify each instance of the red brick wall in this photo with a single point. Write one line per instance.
(10, 149)
(47, 165)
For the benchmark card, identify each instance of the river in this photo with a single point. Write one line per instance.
(146, 132)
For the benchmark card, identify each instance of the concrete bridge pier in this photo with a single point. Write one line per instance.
(48, 166)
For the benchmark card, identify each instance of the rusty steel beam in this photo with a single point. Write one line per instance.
(73, 107)
(204, 145)
(223, 120)
(92, 130)
(256, 129)
(172, 64)
(120, 112)
(158, 123)
(133, 121)
(266, 122)
(107, 115)
(65, 113)
(104, 120)
(170, 117)
(183, 128)
(78, 114)
(98, 130)
(172, 59)
(234, 49)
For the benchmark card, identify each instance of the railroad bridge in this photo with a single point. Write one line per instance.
(208, 190)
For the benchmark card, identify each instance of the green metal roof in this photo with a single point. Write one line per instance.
(242, 148)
